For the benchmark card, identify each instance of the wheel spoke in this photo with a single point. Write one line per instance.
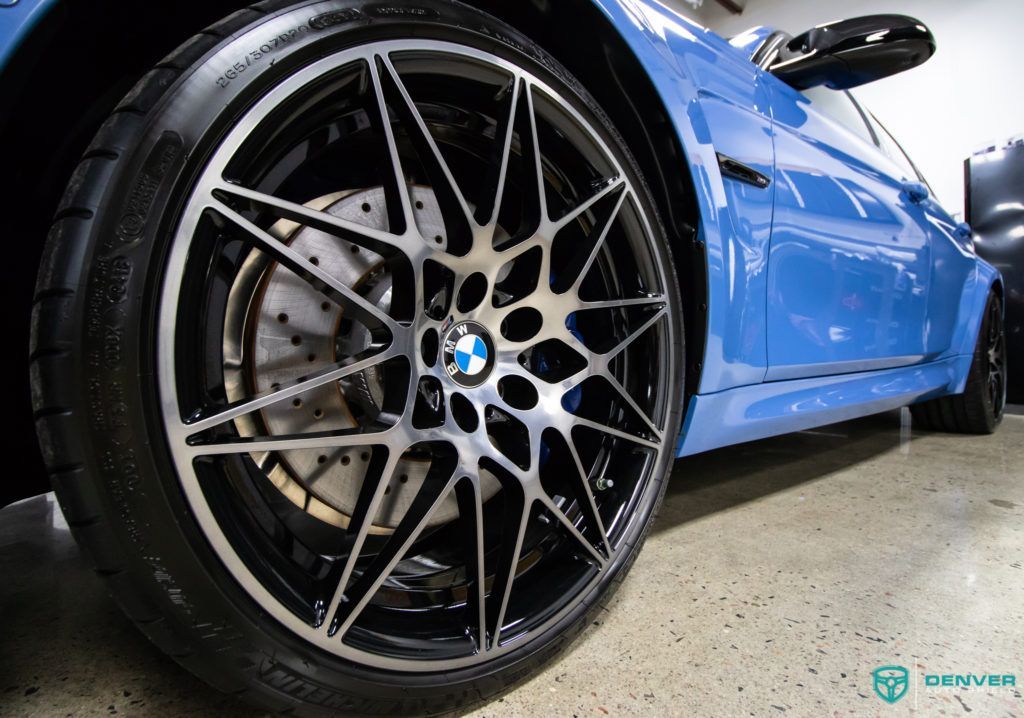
(612, 431)
(376, 240)
(353, 600)
(505, 132)
(615, 184)
(398, 191)
(467, 493)
(618, 303)
(621, 346)
(584, 495)
(532, 157)
(355, 305)
(289, 442)
(442, 180)
(621, 391)
(506, 577)
(516, 514)
(571, 528)
(581, 273)
(381, 468)
(338, 371)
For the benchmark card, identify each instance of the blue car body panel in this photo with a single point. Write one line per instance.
(850, 262)
(778, 407)
(718, 103)
(831, 294)
(16, 22)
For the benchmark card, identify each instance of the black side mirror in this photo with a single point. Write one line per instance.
(849, 53)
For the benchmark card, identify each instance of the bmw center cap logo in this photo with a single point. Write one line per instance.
(468, 354)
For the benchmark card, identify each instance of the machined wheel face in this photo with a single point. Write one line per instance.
(416, 355)
(995, 352)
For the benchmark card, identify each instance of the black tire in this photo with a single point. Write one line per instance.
(979, 409)
(94, 332)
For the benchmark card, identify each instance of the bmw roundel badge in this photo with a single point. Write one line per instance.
(468, 354)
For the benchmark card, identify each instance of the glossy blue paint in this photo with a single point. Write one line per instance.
(842, 290)
(956, 273)
(755, 412)
(916, 192)
(969, 312)
(850, 266)
(718, 102)
(16, 22)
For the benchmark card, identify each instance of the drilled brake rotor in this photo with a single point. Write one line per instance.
(280, 328)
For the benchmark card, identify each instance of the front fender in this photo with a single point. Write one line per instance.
(718, 103)
(972, 310)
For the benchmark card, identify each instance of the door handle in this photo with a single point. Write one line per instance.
(917, 192)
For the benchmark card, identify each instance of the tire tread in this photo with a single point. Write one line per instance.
(53, 362)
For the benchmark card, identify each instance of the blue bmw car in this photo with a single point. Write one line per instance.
(365, 333)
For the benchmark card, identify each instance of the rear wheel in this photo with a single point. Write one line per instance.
(979, 409)
(374, 381)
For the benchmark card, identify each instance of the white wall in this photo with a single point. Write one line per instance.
(970, 94)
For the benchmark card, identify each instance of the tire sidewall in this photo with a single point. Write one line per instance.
(235, 642)
(981, 363)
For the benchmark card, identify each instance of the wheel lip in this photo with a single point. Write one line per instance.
(169, 296)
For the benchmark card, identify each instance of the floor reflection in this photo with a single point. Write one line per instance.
(720, 479)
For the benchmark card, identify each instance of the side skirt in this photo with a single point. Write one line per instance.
(758, 411)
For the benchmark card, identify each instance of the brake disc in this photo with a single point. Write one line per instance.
(278, 328)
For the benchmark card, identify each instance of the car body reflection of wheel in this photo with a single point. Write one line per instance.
(409, 353)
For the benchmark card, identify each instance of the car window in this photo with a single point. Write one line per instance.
(840, 107)
(893, 151)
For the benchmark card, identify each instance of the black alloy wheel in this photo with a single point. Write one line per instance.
(398, 373)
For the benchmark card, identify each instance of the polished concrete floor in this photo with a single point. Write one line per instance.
(779, 575)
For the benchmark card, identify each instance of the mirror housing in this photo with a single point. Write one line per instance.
(848, 53)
